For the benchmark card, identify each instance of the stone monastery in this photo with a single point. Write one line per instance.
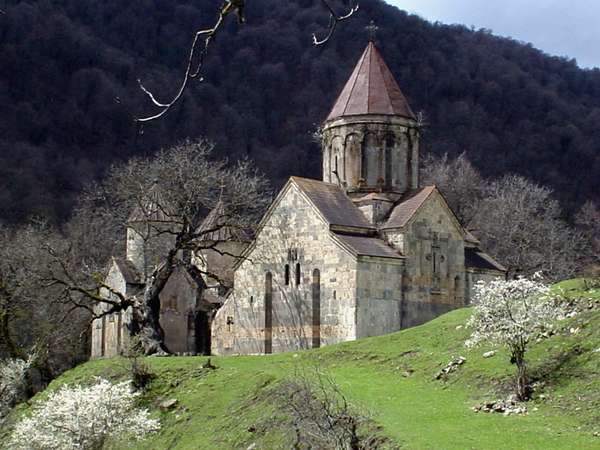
(364, 252)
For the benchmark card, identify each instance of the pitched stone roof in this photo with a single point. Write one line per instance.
(371, 89)
(128, 270)
(407, 207)
(215, 227)
(471, 240)
(339, 211)
(155, 208)
(368, 246)
(375, 196)
(477, 259)
(333, 204)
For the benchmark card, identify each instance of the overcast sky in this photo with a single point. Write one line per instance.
(564, 28)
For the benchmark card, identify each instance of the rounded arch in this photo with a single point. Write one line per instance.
(390, 158)
(336, 160)
(371, 159)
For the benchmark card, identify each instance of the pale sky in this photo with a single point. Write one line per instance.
(562, 28)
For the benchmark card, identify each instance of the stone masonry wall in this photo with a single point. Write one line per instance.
(366, 151)
(109, 333)
(292, 234)
(178, 312)
(434, 276)
(379, 296)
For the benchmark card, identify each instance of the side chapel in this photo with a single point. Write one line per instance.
(363, 252)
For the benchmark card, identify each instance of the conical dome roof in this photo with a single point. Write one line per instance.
(371, 89)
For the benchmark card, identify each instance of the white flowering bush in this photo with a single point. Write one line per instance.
(79, 417)
(13, 382)
(511, 314)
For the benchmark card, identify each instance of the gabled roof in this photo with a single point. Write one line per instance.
(471, 240)
(128, 270)
(333, 204)
(367, 246)
(371, 89)
(154, 209)
(477, 259)
(375, 196)
(215, 227)
(408, 206)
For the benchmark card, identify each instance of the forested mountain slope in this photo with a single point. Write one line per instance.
(64, 63)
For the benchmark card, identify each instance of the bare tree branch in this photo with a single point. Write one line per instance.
(201, 43)
(334, 19)
(193, 68)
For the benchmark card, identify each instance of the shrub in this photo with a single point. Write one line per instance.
(13, 382)
(78, 417)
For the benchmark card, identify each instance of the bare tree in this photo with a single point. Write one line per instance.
(321, 415)
(460, 183)
(519, 223)
(170, 194)
(24, 300)
(203, 39)
(587, 220)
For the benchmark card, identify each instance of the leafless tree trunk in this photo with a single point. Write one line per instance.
(523, 389)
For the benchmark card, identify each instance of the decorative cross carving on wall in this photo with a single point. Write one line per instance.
(437, 258)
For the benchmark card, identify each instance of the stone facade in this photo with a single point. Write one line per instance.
(271, 308)
(371, 153)
(366, 251)
(110, 333)
(434, 276)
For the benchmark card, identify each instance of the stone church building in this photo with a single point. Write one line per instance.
(363, 252)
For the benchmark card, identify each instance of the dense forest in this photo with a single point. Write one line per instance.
(68, 93)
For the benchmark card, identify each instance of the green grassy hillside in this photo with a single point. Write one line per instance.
(393, 379)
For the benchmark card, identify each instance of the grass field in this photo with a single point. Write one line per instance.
(392, 378)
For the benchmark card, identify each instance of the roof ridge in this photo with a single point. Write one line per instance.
(386, 90)
(361, 62)
(370, 51)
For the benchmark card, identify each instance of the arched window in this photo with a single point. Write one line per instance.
(389, 163)
(287, 275)
(298, 274)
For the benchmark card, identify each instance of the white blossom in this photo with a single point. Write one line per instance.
(79, 417)
(13, 382)
(512, 312)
